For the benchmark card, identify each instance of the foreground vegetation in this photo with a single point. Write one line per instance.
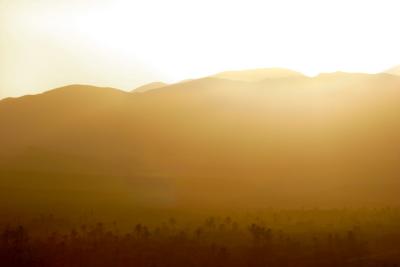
(275, 238)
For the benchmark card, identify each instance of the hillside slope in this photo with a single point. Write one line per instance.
(331, 140)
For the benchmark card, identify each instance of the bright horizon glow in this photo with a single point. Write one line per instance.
(46, 44)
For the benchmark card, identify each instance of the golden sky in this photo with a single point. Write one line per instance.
(47, 43)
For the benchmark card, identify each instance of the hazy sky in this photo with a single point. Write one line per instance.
(48, 43)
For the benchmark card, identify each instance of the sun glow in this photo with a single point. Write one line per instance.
(128, 43)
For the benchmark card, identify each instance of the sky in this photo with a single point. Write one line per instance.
(46, 44)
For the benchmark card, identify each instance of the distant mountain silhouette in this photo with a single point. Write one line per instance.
(331, 140)
(259, 74)
(150, 86)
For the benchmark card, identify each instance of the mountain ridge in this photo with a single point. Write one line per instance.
(262, 74)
